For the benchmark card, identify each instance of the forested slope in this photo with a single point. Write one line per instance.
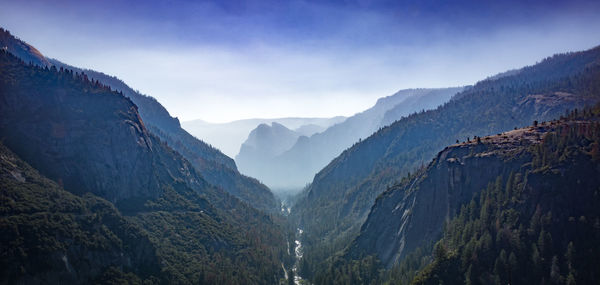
(215, 167)
(90, 139)
(520, 207)
(337, 202)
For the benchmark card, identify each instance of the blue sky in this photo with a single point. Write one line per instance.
(226, 60)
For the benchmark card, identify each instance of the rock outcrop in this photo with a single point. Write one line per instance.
(217, 168)
(92, 141)
(98, 130)
(412, 214)
(338, 200)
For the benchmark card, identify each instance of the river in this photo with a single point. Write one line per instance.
(285, 210)
(298, 254)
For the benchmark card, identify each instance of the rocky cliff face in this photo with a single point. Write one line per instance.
(87, 137)
(90, 139)
(514, 208)
(341, 195)
(217, 168)
(413, 214)
(540, 225)
(217, 173)
(45, 117)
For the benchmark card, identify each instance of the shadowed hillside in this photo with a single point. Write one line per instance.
(341, 195)
(90, 139)
(215, 167)
(514, 208)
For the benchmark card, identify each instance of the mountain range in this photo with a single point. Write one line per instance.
(215, 167)
(142, 211)
(517, 207)
(228, 137)
(337, 202)
(498, 182)
(297, 165)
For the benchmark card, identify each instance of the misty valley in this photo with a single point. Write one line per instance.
(497, 182)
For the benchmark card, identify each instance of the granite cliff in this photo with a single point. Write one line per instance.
(215, 167)
(92, 142)
(413, 213)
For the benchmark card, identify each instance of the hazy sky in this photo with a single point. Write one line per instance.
(226, 60)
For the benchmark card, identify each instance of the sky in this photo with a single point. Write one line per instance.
(221, 61)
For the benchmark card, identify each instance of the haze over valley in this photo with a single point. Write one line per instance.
(228, 137)
(299, 142)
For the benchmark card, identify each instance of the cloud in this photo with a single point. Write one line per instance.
(221, 62)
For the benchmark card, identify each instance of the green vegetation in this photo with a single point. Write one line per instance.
(338, 201)
(217, 168)
(47, 232)
(114, 204)
(541, 226)
(161, 221)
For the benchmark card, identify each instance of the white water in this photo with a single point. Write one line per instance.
(284, 271)
(298, 253)
(285, 210)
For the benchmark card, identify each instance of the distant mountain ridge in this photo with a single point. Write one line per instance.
(296, 167)
(270, 140)
(229, 137)
(265, 142)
